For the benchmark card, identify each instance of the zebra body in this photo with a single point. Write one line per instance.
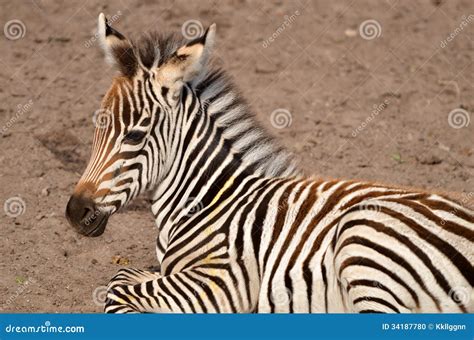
(305, 245)
(240, 229)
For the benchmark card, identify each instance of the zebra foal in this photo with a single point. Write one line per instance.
(239, 228)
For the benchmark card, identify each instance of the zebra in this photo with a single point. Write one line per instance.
(240, 228)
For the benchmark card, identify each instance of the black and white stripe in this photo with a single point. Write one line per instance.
(239, 228)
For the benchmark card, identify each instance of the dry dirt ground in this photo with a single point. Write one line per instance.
(370, 104)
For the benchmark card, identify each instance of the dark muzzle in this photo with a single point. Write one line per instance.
(84, 215)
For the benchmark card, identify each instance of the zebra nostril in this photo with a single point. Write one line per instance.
(87, 213)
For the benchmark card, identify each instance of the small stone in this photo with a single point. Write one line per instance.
(39, 217)
(464, 176)
(444, 147)
(94, 261)
(45, 192)
(265, 70)
(350, 33)
(429, 160)
(120, 260)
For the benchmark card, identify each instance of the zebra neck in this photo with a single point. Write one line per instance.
(220, 169)
(227, 147)
(195, 183)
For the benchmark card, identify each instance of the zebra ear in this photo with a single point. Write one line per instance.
(118, 49)
(189, 60)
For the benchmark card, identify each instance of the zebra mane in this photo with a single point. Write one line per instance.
(155, 48)
(226, 106)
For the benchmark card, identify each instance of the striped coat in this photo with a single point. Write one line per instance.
(239, 228)
(306, 245)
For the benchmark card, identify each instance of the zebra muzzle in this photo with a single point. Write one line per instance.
(85, 216)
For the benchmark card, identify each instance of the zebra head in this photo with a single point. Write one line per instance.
(138, 122)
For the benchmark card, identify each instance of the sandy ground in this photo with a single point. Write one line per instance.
(373, 106)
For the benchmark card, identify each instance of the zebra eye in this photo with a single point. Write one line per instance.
(134, 136)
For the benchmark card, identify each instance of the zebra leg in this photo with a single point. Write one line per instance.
(197, 290)
(131, 276)
(126, 277)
